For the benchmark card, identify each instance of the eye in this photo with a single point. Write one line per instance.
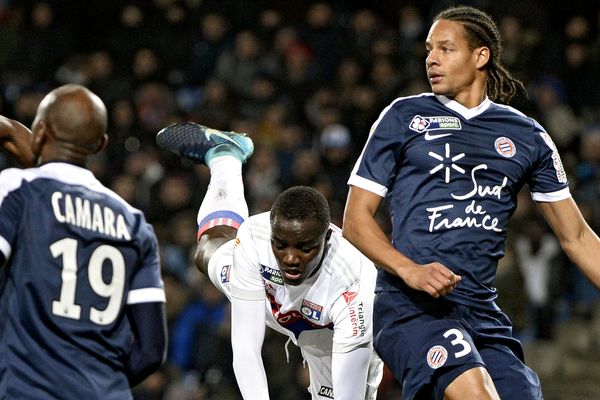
(446, 49)
(278, 245)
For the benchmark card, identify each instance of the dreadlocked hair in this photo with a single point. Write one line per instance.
(481, 30)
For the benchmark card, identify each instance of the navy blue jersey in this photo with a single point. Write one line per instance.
(76, 255)
(452, 175)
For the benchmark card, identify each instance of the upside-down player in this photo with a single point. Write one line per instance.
(289, 269)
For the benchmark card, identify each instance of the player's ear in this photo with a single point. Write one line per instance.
(39, 136)
(102, 144)
(482, 56)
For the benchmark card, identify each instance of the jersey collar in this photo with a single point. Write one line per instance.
(467, 113)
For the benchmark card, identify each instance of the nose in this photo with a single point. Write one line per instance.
(290, 258)
(431, 58)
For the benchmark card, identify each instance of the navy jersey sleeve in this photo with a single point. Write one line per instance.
(146, 284)
(377, 165)
(548, 180)
(10, 211)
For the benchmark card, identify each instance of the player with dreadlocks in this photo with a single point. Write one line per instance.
(451, 164)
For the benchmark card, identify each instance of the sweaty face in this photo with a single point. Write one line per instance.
(298, 247)
(451, 65)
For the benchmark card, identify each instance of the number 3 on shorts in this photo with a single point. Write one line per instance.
(459, 340)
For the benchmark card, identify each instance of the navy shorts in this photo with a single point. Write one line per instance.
(429, 346)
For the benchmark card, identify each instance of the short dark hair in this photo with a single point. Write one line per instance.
(302, 203)
(481, 30)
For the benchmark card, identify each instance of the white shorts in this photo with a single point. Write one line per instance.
(318, 358)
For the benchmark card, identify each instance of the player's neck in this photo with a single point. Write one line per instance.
(470, 99)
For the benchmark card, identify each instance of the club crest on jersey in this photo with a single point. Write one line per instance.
(271, 274)
(437, 356)
(505, 147)
(421, 124)
(311, 310)
(225, 273)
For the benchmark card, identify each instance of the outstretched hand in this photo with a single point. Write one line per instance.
(15, 140)
(433, 278)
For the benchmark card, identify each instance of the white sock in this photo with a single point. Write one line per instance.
(224, 202)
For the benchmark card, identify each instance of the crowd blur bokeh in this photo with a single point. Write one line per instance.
(306, 80)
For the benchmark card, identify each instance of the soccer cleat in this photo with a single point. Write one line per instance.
(192, 141)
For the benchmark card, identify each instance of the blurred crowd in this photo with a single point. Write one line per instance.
(305, 80)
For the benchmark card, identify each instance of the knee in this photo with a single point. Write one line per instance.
(201, 259)
(207, 245)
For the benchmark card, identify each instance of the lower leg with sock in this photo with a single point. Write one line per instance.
(224, 202)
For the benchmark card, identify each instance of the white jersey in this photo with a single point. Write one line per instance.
(331, 309)
(328, 316)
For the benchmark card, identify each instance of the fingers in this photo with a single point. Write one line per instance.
(441, 281)
(434, 278)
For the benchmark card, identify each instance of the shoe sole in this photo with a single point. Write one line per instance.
(191, 141)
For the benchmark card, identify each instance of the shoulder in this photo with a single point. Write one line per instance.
(13, 178)
(345, 263)
(405, 111)
(257, 227)
(9, 174)
(408, 102)
(515, 117)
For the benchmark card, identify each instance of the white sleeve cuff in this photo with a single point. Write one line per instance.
(146, 295)
(551, 197)
(366, 184)
(5, 248)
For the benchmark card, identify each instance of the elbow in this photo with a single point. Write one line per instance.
(155, 352)
(347, 232)
(157, 355)
(154, 365)
(140, 367)
(349, 228)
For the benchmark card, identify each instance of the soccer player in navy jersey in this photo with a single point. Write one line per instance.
(451, 164)
(81, 296)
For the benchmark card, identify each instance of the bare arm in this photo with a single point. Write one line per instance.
(576, 237)
(363, 231)
(15, 140)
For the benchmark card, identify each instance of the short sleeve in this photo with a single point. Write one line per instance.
(548, 180)
(352, 312)
(245, 279)
(147, 285)
(376, 167)
(11, 209)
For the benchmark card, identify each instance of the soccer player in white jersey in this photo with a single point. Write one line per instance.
(451, 163)
(289, 269)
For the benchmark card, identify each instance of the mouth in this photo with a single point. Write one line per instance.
(435, 78)
(292, 275)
